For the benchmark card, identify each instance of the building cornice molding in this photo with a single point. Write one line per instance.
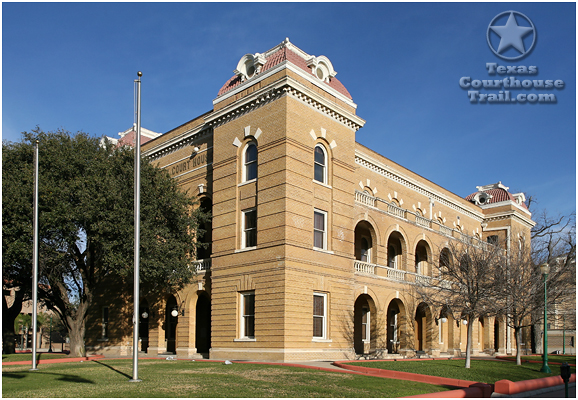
(283, 87)
(178, 142)
(389, 173)
(286, 86)
(506, 203)
(277, 68)
(325, 106)
(513, 214)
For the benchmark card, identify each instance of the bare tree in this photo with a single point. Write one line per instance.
(554, 243)
(466, 282)
(518, 292)
(520, 287)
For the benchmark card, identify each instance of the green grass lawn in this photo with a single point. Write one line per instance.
(487, 371)
(161, 378)
(557, 358)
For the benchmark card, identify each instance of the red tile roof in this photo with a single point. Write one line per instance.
(285, 54)
(498, 195)
(129, 139)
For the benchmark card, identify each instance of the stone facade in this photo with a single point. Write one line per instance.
(317, 242)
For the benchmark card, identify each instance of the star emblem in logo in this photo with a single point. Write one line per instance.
(511, 35)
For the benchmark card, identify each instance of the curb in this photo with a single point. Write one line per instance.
(409, 376)
(507, 358)
(536, 392)
(56, 360)
(508, 387)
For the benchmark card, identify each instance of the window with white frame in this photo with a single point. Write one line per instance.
(320, 162)
(249, 224)
(250, 162)
(320, 315)
(392, 257)
(365, 250)
(247, 309)
(365, 324)
(104, 323)
(320, 229)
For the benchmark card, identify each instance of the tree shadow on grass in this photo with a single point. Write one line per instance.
(109, 367)
(61, 377)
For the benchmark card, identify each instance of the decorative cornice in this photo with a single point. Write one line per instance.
(511, 215)
(506, 203)
(351, 120)
(284, 86)
(279, 67)
(178, 142)
(389, 173)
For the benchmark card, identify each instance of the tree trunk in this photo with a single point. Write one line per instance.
(76, 335)
(469, 343)
(77, 328)
(518, 334)
(9, 315)
(538, 338)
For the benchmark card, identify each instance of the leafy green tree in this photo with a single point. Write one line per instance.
(17, 185)
(86, 201)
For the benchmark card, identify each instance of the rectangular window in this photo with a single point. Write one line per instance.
(249, 228)
(493, 239)
(248, 315)
(319, 315)
(365, 323)
(320, 229)
(104, 322)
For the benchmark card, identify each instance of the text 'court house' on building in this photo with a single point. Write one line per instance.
(316, 242)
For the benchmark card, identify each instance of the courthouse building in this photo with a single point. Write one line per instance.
(317, 242)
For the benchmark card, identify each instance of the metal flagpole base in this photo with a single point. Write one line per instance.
(135, 380)
(33, 369)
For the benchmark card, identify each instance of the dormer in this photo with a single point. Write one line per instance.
(249, 65)
(481, 198)
(322, 68)
(520, 198)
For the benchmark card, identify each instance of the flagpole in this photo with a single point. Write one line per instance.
(35, 262)
(135, 318)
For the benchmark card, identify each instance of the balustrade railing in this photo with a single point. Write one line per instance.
(202, 265)
(364, 198)
(423, 221)
(445, 230)
(422, 279)
(445, 284)
(361, 266)
(395, 274)
(400, 275)
(395, 210)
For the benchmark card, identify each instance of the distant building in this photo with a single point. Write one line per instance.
(128, 137)
(562, 315)
(24, 333)
(317, 242)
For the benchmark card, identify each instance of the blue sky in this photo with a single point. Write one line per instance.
(72, 65)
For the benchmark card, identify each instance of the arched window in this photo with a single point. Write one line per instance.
(320, 164)
(250, 162)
